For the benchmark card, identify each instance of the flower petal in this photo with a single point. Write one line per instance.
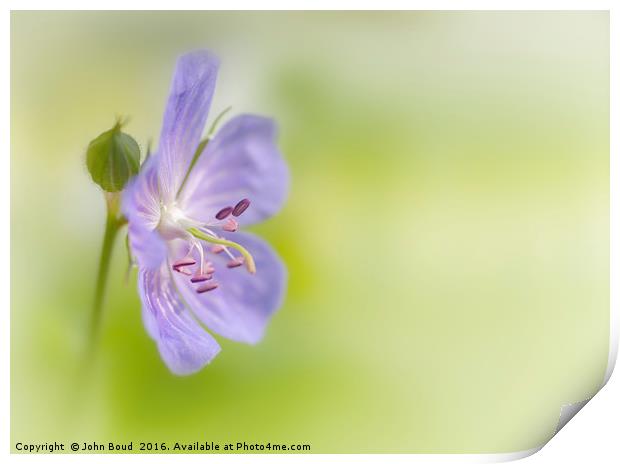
(141, 207)
(190, 97)
(183, 344)
(241, 307)
(242, 161)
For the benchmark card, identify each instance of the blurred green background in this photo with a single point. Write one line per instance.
(446, 234)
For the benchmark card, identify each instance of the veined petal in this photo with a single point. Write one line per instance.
(190, 98)
(183, 344)
(242, 305)
(141, 206)
(242, 161)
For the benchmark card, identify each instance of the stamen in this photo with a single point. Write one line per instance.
(224, 213)
(235, 263)
(208, 268)
(230, 255)
(187, 261)
(201, 278)
(207, 287)
(201, 252)
(231, 225)
(249, 261)
(183, 271)
(217, 248)
(240, 207)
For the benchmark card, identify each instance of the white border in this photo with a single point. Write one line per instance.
(614, 453)
(614, 192)
(512, 5)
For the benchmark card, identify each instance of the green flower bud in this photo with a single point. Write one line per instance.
(112, 159)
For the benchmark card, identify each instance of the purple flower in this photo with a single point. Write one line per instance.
(183, 214)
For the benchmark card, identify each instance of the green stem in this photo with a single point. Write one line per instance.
(112, 226)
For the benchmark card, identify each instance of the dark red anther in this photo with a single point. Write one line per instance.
(183, 271)
(235, 263)
(224, 213)
(181, 263)
(206, 287)
(240, 207)
(201, 278)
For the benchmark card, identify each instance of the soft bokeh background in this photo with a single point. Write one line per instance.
(446, 234)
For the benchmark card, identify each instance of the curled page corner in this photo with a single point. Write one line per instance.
(568, 411)
(514, 456)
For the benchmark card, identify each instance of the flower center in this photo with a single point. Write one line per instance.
(175, 224)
